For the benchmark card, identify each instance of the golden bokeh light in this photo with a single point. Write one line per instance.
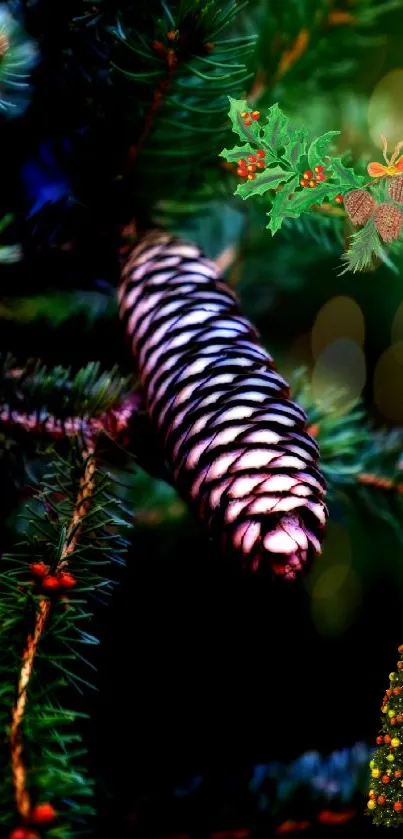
(335, 601)
(388, 383)
(340, 317)
(385, 114)
(396, 334)
(336, 554)
(339, 376)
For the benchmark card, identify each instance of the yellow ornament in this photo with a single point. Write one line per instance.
(395, 742)
(371, 764)
(384, 709)
(391, 713)
(376, 773)
(390, 757)
(392, 677)
(371, 804)
(371, 792)
(388, 771)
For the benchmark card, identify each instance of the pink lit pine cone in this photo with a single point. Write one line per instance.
(236, 443)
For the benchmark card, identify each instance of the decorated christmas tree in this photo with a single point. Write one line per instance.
(201, 222)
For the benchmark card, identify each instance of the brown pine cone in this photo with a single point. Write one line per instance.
(360, 205)
(388, 222)
(395, 189)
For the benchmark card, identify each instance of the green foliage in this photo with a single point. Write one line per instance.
(53, 749)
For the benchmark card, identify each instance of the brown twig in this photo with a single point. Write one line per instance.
(380, 482)
(19, 772)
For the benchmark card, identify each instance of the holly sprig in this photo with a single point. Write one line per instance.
(276, 159)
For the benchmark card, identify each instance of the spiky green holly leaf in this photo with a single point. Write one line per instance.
(281, 205)
(303, 199)
(276, 132)
(346, 178)
(248, 133)
(320, 147)
(295, 147)
(269, 179)
(237, 153)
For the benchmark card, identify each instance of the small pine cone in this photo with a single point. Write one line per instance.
(395, 188)
(236, 444)
(360, 205)
(388, 222)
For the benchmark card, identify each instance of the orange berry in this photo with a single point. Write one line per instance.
(43, 813)
(260, 164)
(241, 172)
(261, 153)
(255, 114)
(252, 158)
(339, 199)
(67, 580)
(308, 174)
(251, 167)
(312, 183)
(320, 177)
(303, 183)
(39, 569)
(251, 177)
(50, 582)
(319, 169)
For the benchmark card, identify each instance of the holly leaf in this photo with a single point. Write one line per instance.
(276, 132)
(237, 153)
(249, 133)
(320, 147)
(269, 179)
(281, 205)
(296, 147)
(304, 198)
(346, 178)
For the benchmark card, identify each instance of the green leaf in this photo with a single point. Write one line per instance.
(320, 147)
(270, 179)
(296, 147)
(250, 133)
(276, 131)
(235, 154)
(281, 205)
(365, 245)
(304, 199)
(345, 177)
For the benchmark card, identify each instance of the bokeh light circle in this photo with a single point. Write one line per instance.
(340, 317)
(385, 114)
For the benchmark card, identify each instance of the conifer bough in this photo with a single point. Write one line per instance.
(236, 443)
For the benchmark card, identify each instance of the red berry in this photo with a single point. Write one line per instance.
(255, 114)
(67, 580)
(43, 813)
(303, 183)
(22, 833)
(252, 158)
(312, 183)
(381, 800)
(308, 174)
(398, 806)
(244, 114)
(251, 167)
(260, 164)
(39, 569)
(241, 162)
(248, 122)
(319, 169)
(261, 153)
(251, 177)
(385, 779)
(379, 741)
(50, 582)
(320, 177)
(242, 172)
(339, 199)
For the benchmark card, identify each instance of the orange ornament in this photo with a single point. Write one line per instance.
(400, 649)
(387, 738)
(385, 779)
(379, 740)
(381, 800)
(398, 806)
(398, 773)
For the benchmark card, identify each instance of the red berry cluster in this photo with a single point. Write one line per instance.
(248, 168)
(248, 117)
(42, 814)
(52, 582)
(309, 179)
